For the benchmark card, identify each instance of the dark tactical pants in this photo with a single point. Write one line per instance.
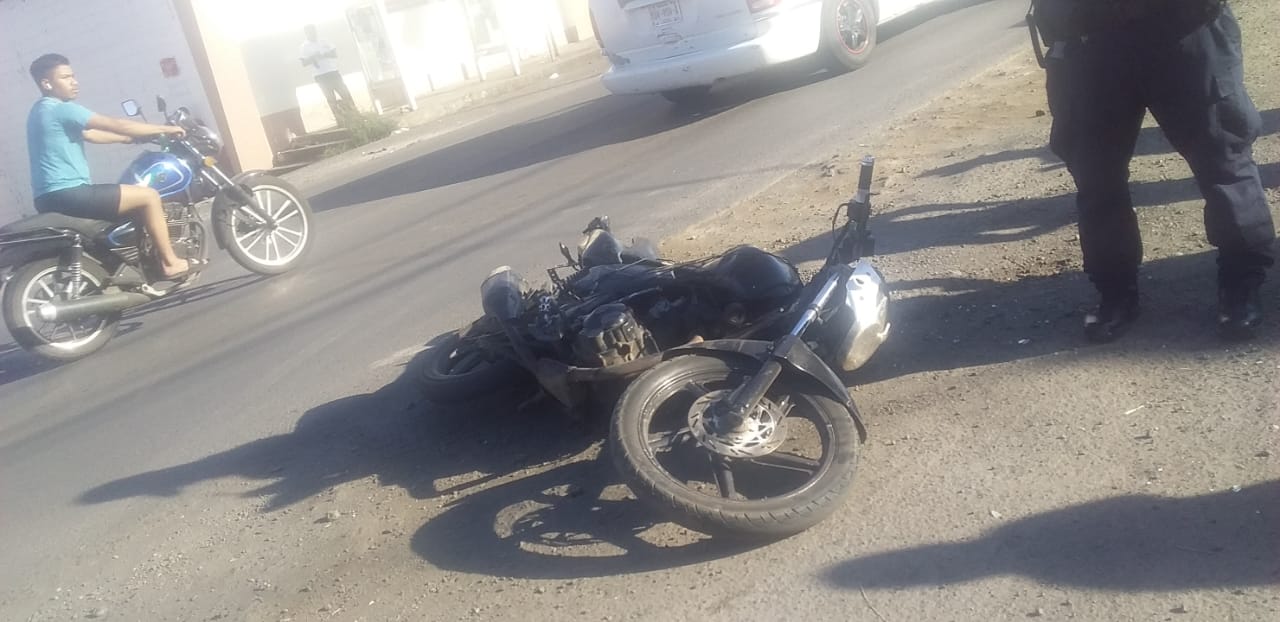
(1100, 88)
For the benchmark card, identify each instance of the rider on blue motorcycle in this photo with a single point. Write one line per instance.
(57, 129)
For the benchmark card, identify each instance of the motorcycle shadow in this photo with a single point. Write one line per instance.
(197, 293)
(520, 492)
(571, 521)
(18, 364)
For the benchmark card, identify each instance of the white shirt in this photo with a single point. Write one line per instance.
(317, 50)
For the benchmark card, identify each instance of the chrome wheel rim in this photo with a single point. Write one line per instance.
(854, 26)
(61, 335)
(792, 463)
(272, 244)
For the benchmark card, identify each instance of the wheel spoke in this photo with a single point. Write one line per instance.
(289, 231)
(259, 232)
(666, 441)
(248, 217)
(724, 476)
(287, 205)
(696, 388)
(265, 206)
(297, 213)
(788, 462)
(48, 292)
(280, 237)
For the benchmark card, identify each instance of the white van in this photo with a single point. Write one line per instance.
(681, 47)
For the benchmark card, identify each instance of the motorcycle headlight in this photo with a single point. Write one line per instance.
(211, 143)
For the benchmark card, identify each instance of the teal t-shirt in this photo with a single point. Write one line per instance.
(55, 144)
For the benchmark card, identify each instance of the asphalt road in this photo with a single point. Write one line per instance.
(404, 239)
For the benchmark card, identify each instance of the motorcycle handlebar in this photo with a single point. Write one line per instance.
(868, 168)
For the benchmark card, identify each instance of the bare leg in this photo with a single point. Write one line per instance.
(143, 205)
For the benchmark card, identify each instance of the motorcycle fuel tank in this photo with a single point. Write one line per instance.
(166, 173)
(759, 278)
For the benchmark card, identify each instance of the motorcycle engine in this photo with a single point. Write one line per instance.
(185, 233)
(610, 336)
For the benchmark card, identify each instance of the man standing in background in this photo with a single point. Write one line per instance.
(323, 59)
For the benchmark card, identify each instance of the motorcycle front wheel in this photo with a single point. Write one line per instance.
(42, 281)
(268, 248)
(787, 477)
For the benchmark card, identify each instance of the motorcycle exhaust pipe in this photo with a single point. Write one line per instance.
(69, 310)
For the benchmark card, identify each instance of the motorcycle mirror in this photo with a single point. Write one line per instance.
(564, 250)
(599, 222)
(130, 108)
(161, 105)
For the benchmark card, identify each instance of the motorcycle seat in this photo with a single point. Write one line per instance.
(87, 227)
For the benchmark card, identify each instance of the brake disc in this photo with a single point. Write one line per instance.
(761, 433)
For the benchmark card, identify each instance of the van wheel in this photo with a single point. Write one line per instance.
(848, 33)
(688, 96)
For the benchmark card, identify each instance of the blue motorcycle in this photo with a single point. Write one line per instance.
(72, 278)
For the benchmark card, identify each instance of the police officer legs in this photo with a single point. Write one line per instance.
(1190, 76)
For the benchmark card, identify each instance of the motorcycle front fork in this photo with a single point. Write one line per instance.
(243, 198)
(746, 397)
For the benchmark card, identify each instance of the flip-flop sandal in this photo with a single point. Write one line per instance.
(194, 266)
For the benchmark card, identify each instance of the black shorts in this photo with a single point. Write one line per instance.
(99, 202)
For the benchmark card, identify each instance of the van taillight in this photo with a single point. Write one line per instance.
(760, 5)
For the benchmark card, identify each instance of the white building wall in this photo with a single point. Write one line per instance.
(270, 34)
(116, 48)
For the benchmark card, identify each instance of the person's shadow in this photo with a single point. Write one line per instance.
(1132, 543)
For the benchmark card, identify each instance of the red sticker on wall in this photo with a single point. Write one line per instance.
(169, 67)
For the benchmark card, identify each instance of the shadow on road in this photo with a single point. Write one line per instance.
(994, 222)
(521, 490)
(1151, 141)
(1136, 543)
(17, 364)
(197, 294)
(970, 322)
(569, 522)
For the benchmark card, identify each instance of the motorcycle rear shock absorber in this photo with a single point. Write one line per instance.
(73, 267)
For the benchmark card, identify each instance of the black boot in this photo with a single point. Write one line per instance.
(1239, 311)
(1113, 315)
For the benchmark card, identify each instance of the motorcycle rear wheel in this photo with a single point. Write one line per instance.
(37, 283)
(769, 497)
(455, 371)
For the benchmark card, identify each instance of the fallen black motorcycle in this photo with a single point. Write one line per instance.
(732, 420)
(72, 277)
